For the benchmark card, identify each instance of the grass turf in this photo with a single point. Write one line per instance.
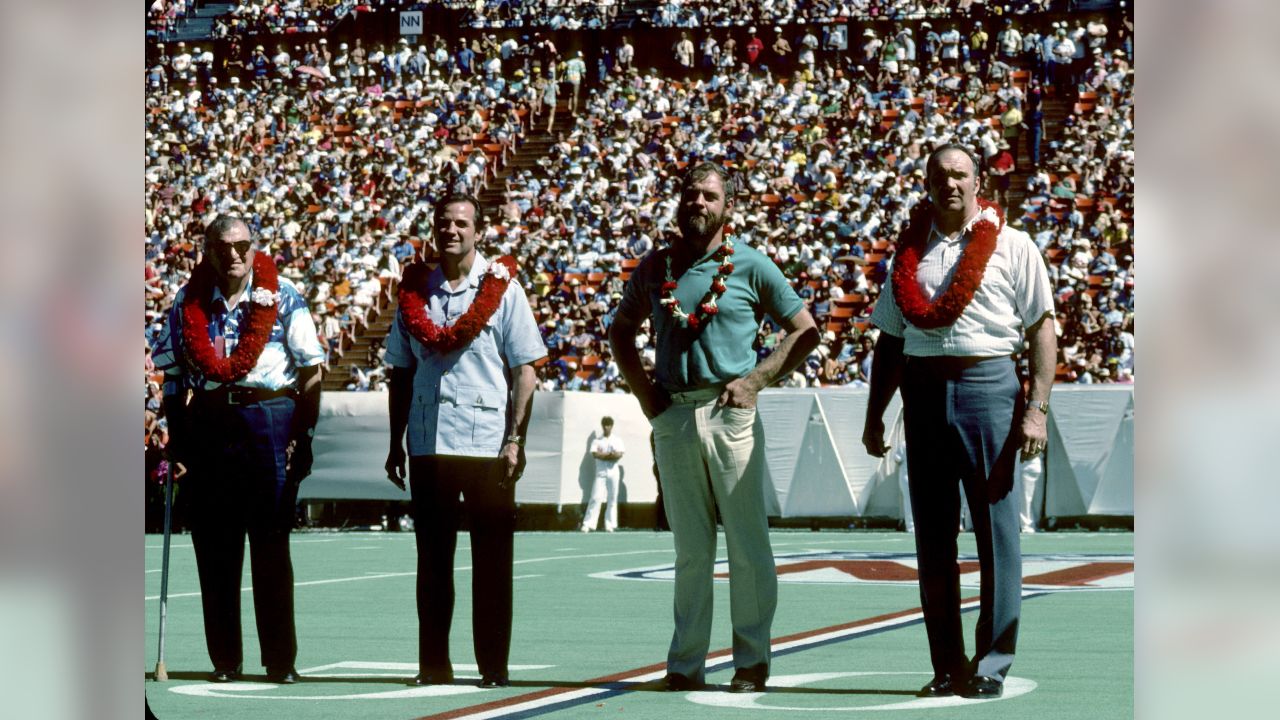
(357, 635)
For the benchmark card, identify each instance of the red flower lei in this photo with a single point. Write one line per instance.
(707, 308)
(444, 340)
(256, 330)
(948, 305)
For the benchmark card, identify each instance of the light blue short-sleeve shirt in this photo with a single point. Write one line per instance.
(460, 400)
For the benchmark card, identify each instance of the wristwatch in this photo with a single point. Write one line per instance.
(517, 439)
(1040, 405)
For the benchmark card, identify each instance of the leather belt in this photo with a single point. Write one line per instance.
(955, 361)
(237, 395)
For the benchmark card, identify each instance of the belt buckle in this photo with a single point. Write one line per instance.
(233, 395)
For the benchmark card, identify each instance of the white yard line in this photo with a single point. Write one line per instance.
(331, 581)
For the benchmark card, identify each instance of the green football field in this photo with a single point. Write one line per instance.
(593, 620)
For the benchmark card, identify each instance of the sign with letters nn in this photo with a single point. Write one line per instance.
(411, 22)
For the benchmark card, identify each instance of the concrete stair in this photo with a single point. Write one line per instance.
(1056, 109)
(536, 145)
(358, 353)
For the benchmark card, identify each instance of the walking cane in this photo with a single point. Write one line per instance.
(162, 674)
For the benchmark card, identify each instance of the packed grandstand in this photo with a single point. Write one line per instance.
(332, 134)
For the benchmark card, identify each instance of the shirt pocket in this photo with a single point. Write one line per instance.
(487, 408)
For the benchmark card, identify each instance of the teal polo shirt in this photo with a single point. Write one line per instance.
(723, 349)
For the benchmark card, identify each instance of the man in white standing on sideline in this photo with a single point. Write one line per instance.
(607, 449)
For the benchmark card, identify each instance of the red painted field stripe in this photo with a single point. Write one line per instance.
(616, 677)
(851, 625)
(1082, 575)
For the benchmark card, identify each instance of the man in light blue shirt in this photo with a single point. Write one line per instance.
(465, 404)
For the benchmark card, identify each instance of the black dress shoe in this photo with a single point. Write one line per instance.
(435, 678)
(489, 682)
(983, 686)
(282, 676)
(750, 679)
(942, 685)
(225, 675)
(675, 682)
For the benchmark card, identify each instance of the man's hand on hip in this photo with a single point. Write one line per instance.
(740, 393)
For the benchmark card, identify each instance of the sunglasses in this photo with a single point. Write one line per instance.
(241, 248)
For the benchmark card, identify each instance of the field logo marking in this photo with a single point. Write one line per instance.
(1040, 573)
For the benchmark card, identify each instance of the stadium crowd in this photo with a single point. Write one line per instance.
(335, 167)
(267, 17)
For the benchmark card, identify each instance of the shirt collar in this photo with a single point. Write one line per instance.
(218, 297)
(936, 235)
(478, 269)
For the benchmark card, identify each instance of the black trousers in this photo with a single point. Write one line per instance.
(436, 482)
(237, 486)
(960, 424)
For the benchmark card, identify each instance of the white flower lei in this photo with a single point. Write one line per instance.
(673, 305)
(264, 297)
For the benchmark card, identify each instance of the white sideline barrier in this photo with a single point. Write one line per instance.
(813, 451)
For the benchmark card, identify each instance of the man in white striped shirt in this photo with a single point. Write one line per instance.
(966, 293)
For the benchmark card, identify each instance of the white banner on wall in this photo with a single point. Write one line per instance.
(814, 458)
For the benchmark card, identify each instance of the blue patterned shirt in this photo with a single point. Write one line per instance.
(293, 343)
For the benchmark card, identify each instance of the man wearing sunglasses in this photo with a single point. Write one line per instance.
(241, 360)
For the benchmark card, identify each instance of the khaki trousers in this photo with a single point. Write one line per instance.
(713, 457)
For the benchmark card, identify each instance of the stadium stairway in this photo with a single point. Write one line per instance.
(358, 353)
(536, 145)
(1056, 109)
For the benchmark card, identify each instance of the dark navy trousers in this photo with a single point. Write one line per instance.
(236, 487)
(961, 418)
(436, 483)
